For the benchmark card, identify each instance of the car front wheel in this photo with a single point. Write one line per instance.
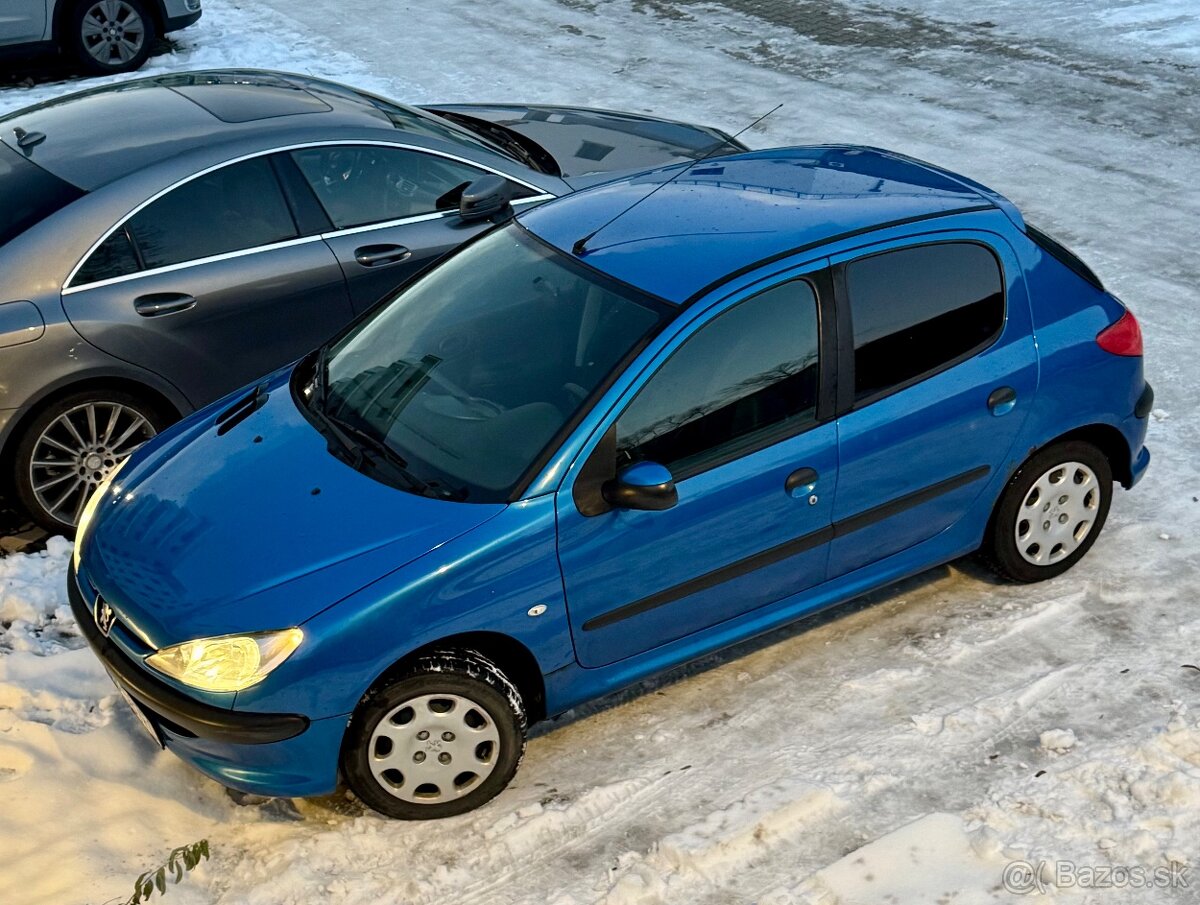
(72, 446)
(1051, 512)
(110, 36)
(441, 739)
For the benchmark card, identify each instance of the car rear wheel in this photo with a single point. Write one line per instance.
(441, 739)
(111, 35)
(73, 445)
(1051, 512)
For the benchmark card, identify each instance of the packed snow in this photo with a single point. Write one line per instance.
(930, 743)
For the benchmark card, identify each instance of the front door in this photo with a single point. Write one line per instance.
(212, 285)
(732, 409)
(394, 210)
(944, 369)
(22, 21)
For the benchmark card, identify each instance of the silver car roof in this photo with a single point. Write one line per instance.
(95, 137)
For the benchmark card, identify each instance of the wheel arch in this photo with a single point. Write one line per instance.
(64, 8)
(129, 385)
(1109, 440)
(510, 655)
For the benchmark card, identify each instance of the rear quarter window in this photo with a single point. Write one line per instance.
(28, 194)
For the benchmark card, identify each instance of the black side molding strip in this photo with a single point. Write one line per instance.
(712, 579)
(165, 704)
(785, 550)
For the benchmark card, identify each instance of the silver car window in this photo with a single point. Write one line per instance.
(362, 184)
(233, 208)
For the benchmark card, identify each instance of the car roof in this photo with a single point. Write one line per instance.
(97, 136)
(726, 214)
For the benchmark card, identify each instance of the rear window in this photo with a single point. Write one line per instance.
(28, 194)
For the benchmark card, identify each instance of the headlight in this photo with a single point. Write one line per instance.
(89, 510)
(228, 663)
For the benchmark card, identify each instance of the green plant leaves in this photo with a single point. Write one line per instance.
(179, 862)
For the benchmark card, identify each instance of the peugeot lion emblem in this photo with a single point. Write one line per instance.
(105, 617)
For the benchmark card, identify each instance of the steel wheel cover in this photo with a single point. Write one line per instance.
(78, 450)
(433, 748)
(1057, 514)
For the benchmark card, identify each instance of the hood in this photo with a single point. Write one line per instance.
(256, 528)
(586, 142)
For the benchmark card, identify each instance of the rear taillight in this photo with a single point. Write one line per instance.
(1122, 338)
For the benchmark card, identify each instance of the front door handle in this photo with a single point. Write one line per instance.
(157, 304)
(1002, 400)
(801, 482)
(381, 255)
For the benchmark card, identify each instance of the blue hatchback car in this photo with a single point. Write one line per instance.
(602, 439)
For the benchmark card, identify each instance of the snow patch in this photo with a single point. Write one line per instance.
(932, 859)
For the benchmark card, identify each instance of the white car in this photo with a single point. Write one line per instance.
(103, 35)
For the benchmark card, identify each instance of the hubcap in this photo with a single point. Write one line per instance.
(79, 449)
(1057, 514)
(113, 32)
(434, 748)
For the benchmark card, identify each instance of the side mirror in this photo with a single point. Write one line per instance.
(485, 197)
(645, 485)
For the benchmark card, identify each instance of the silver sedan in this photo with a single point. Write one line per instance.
(168, 240)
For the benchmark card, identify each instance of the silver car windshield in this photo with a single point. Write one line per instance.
(465, 378)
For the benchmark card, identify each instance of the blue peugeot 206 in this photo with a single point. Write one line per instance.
(625, 429)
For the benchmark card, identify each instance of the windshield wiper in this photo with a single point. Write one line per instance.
(523, 148)
(365, 447)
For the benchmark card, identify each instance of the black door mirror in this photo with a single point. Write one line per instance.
(485, 197)
(646, 485)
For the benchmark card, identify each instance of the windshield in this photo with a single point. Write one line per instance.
(28, 194)
(462, 380)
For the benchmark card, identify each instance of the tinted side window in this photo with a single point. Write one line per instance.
(114, 258)
(917, 309)
(748, 375)
(237, 207)
(361, 184)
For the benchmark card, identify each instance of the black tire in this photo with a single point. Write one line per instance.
(1001, 550)
(22, 475)
(94, 51)
(464, 675)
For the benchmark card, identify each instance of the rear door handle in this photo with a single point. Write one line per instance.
(158, 303)
(801, 482)
(1002, 400)
(381, 255)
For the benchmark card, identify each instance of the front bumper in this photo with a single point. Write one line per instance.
(276, 754)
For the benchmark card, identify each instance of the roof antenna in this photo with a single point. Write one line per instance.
(579, 249)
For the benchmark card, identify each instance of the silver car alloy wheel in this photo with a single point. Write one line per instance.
(434, 748)
(1057, 514)
(113, 32)
(78, 450)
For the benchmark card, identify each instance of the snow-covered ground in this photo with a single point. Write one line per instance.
(906, 748)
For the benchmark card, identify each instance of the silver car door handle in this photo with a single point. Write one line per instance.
(380, 255)
(158, 303)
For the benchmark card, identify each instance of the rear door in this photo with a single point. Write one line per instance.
(212, 284)
(393, 210)
(937, 383)
(22, 20)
